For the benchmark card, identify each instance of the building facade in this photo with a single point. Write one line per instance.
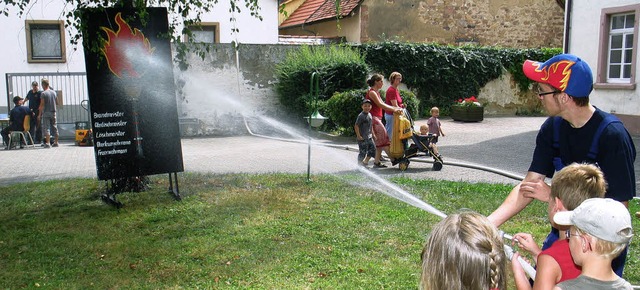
(605, 35)
(37, 42)
(506, 23)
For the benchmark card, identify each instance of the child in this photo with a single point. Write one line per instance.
(600, 231)
(425, 139)
(464, 251)
(365, 134)
(435, 128)
(569, 188)
(424, 130)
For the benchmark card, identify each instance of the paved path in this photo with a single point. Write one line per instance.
(504, 143)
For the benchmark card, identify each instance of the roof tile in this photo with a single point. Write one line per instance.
(315, 10)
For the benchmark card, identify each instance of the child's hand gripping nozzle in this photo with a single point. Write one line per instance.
(509, 252)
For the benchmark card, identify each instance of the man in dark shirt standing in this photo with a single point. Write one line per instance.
(33, 97)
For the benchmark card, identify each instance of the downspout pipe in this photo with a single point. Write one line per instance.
(306, 30)
(568, 6)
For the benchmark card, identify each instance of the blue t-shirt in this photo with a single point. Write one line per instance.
(616, 152)
(16, 117)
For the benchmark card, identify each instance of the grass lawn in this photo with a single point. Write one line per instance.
(236, 231)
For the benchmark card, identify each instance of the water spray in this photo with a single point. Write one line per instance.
(400, 194)
(412, 200)
(405, 196)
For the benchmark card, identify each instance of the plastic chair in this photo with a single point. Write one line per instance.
(21, 135)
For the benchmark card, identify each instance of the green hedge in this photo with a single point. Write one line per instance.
(340, 68)
(343, 108)
(437, 74)
(442, 74)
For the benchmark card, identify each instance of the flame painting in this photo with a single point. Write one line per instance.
(131, 90)
(127, 50)
(556, 74)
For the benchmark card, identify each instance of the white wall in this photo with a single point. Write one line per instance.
(584, 42)
(252, 30)
(14, 49)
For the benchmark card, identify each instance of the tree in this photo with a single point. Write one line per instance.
(182, 14)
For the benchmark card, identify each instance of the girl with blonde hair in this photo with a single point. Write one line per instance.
(464, 251)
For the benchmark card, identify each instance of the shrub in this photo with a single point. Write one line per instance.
(340, 68)
(410, 101)
(440, 74)
(343, 108)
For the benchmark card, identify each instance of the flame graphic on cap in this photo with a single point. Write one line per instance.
(556, 74)
(126, 50)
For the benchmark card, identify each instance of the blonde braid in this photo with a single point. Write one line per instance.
(496, 264)
(464, 251)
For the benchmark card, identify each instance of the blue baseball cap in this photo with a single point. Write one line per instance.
(565, 72)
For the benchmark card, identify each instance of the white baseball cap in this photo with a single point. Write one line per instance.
(603, 218)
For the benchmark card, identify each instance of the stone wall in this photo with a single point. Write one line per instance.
(507, 23)
(502, 97)
(214, 95)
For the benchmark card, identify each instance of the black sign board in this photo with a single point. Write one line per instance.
(131, 87)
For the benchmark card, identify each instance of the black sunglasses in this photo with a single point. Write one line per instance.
(548, 93)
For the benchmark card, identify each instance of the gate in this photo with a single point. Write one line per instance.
(71, 89)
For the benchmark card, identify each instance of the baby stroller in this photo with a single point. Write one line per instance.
(401, 151)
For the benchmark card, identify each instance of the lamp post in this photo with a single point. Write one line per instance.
(315, 119)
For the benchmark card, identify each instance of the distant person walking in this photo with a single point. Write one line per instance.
(435, 128)
(392, 98)
(48, 114)
(364, 134)
(382, 139)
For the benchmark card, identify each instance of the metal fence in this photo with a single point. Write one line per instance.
(71, 89)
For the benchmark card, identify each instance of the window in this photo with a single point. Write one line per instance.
(618, 47)
(205, 32)
(45, 41)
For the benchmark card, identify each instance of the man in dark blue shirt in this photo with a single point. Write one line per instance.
(16, 119)
(33, 97)
(575, 132)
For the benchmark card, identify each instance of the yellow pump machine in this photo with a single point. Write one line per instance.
(84, 135)
(400, 150)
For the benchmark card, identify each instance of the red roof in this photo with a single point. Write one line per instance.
(316, 10)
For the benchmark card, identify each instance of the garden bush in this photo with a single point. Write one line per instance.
(340, 68)
(343, 108)
(410, 101)
(441, 74)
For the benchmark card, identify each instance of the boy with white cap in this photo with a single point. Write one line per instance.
(600, 230)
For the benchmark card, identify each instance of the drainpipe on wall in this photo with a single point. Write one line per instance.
(312, 32)
(567, 25)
